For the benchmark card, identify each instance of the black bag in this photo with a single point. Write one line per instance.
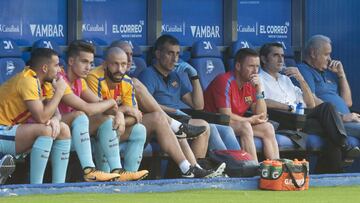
(238, 162)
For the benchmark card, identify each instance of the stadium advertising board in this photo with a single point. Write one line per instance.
(27, 21)
(109, 20)
(191, 21)
(261, 21)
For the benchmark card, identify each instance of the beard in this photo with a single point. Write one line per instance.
(112, 76)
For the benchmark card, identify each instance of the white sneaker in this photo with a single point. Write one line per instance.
(7, 167)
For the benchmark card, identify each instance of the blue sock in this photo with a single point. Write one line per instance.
(60, 159)
(109, 144)
(38, 158)
(81, 140)
(100, 158)
(135, 148)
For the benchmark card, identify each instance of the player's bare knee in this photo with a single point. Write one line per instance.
(159, 118)
(44, 130)
(78, 113)
(64, 131)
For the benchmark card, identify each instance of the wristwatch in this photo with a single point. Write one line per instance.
(260, 95)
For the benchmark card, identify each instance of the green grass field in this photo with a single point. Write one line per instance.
(315, 194)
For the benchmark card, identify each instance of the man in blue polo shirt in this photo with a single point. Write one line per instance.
(164, 81)
(327, 80)
(165, 85)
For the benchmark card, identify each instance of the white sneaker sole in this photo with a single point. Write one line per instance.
(7, 167)
(218, 172)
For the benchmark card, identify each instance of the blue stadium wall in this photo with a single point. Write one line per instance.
(339, 19)
(255, 22)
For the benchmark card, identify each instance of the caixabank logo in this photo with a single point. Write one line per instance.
(47, 30)
(205, 31)
(10, 28)
(95, 27)
(174, 28)
(129, 30)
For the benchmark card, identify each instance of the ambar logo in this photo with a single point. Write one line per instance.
(47, 30)
(205, 31)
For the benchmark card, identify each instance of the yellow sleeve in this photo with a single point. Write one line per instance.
(92, 83)
(48, 90)
(84, 85)
(30, 89)
(128, 92)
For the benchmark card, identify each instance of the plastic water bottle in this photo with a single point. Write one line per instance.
(283, 68)
(300, 108)
(266, 168)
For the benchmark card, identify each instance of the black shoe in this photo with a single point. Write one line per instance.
(196, 172)
(7, 167)
(190, 131)
(351, 152)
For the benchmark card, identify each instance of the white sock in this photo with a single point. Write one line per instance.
(184, 166)
(175, 125)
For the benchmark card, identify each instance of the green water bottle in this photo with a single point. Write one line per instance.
(266, 168)
(276, 169)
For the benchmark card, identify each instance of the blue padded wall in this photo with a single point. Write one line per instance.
(339, 20)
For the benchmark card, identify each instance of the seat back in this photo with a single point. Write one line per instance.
(206, 59)
(99, 51)
(48, 43)
(289, 56)
(138, 63)
(11, 62)
(239, 44)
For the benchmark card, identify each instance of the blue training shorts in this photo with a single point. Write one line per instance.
(7, 139)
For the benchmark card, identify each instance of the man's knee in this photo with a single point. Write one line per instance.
(243, 129)
(45, 130)
(268, 130)
(159, 118)
(64, 131)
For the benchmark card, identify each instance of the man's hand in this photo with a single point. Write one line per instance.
(293, 72)
(114, 104)
(59, 84)
(54, 123)
(257, 119)
(185, 67)
(119, 123)
(337, 68)
(255, 81)
(351, 117)
(134, 112)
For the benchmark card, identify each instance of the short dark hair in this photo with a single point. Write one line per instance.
(163, 39)
(118, 43)
(241, 54)
(41, 56)
(77, 46)
(266, 49)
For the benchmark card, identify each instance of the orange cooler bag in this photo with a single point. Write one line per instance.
(284, 174)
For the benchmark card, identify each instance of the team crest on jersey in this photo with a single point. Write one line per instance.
(175, 84)
(248, 100)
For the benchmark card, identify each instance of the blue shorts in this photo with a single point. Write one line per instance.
(7, 139)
